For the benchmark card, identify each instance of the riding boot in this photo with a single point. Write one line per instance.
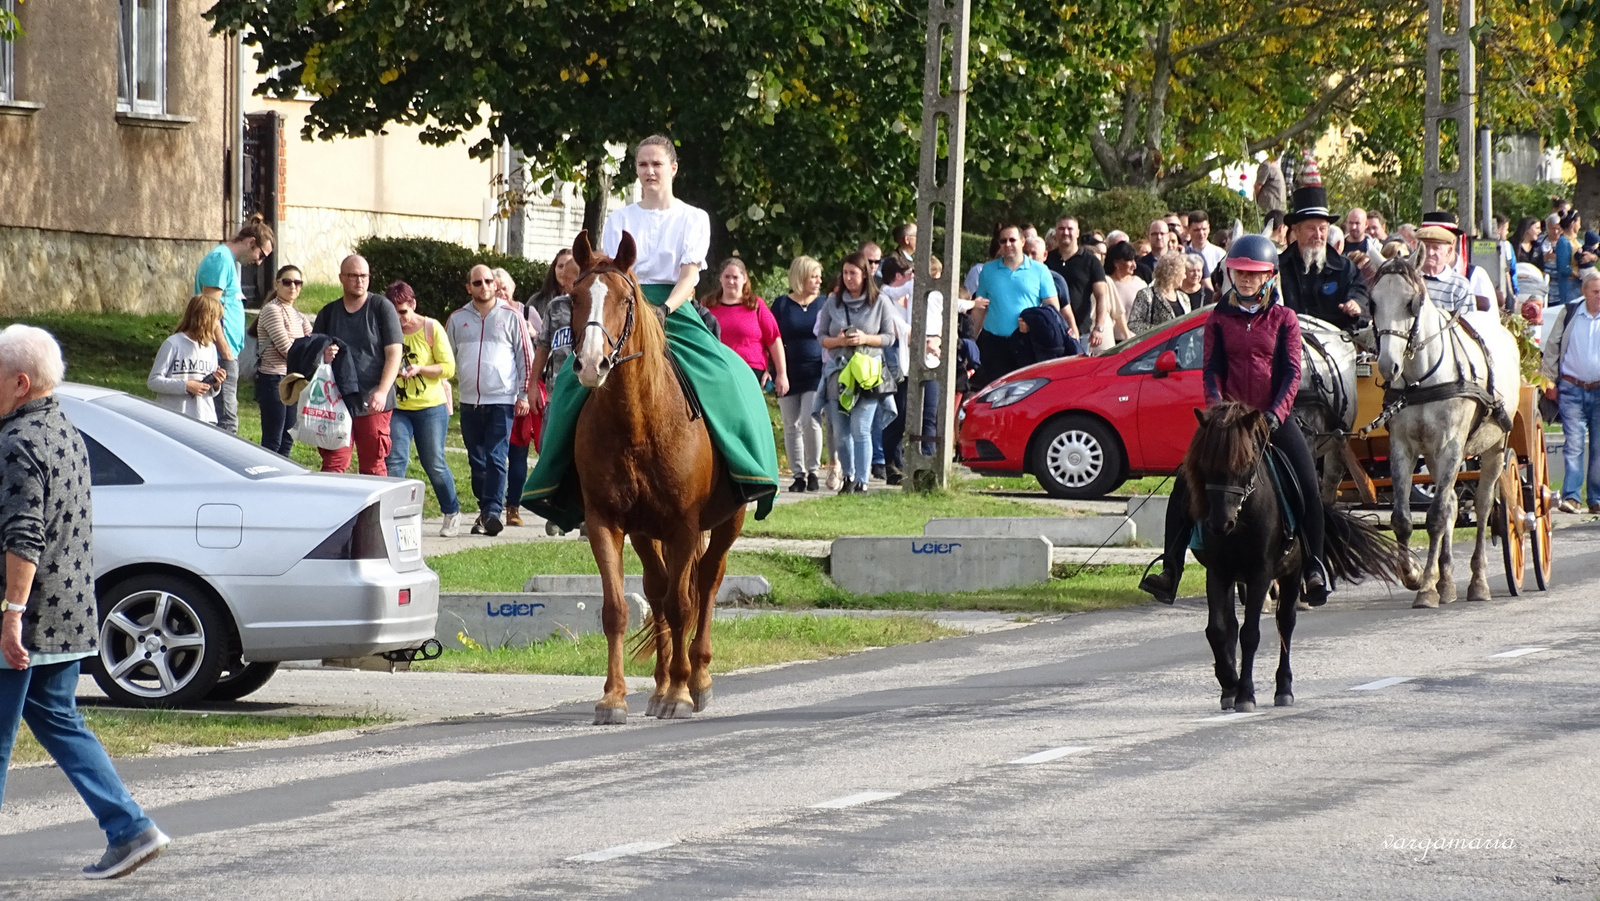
(1164, 584)
(1318, 581)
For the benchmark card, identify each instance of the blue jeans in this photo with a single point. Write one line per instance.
(1580, 420)
(888, 412)
(852, 435)
(276, 419)
(427, 428)
(516, 474)
(486, 430)
(44, 696)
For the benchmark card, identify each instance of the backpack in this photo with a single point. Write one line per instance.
(449, 395)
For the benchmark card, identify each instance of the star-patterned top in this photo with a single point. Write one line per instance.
(45, 519)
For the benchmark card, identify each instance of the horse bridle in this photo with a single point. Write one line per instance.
(1244, 491)
(614, 345)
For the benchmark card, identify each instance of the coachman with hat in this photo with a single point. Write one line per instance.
(1317, 280)
(1439, 240)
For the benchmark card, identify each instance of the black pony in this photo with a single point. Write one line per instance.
(1233, 498)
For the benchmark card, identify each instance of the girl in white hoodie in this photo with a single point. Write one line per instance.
(186, 371)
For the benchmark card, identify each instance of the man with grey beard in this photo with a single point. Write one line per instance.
(1317, 280)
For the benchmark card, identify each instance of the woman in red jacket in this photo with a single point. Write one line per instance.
(1252, 356)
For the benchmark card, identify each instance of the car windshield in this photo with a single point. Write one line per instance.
(231, 451)
(1162, 331)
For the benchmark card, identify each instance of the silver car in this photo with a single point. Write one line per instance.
(216, 559)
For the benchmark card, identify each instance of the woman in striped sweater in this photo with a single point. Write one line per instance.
(276, 327)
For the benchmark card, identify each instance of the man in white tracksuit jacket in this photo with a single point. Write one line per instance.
(494, 361)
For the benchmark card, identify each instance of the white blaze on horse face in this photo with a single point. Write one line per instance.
(594, 348)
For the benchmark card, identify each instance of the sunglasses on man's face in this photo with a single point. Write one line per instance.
(291, 282)
(480, 282)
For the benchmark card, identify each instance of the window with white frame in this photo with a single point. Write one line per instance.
(8, 76)
(142, 56)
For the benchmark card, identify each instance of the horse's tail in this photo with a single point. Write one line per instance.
(649, 637)
(1356, 549)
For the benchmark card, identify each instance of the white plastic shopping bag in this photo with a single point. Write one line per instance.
(323, 419)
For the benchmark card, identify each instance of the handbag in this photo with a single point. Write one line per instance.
(323, 419)
(449, 396)
(522, 430)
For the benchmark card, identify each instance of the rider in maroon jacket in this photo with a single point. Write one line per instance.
(1252, 355)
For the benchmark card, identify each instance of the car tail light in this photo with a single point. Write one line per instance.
(359, 539)
(405, 596)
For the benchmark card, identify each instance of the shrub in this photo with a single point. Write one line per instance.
(1128, 209)
(1221, 203)
(437, 270)
(1515, 200)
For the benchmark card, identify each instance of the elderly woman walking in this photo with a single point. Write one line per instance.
(1163, 299)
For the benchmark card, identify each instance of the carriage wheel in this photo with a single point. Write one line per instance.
(1537, 501)
(1508, 521)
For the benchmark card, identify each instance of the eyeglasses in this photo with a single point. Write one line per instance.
(357, 275)
(290, 282)
(478, 283)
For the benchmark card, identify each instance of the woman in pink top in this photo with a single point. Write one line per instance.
(748, 327)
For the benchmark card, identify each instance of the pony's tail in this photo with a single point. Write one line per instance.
(647, 640)
(1356, 549)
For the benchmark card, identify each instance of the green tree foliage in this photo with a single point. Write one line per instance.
(798, 123)
(10, 29)
(1222, 205)
(437, 270)
(1129, 209)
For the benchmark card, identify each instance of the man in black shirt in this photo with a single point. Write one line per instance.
(369, 327)
(1086, 282)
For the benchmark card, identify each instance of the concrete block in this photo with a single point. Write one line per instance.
(1149, 515)
(1060, 531)
(516, 619)
(734, 588)
(877, 565)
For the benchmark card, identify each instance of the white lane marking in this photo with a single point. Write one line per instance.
(853, 800)
(627, 850)
(1519, 652)
(1381, 683)
(1230, 717)
(1052, 754)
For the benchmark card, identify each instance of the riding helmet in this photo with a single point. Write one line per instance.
(1253, 253)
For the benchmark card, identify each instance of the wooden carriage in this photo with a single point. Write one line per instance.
(1521, 515)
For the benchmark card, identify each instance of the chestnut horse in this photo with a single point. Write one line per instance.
(646, 469)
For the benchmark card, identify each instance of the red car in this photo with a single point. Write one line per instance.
(1084, 425)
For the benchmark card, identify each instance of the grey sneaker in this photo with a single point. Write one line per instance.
(452, 525)
(120, 860)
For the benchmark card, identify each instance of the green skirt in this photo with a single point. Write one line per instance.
(735, 412)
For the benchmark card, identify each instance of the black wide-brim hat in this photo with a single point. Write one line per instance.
(1309, 202)
(1443, 219)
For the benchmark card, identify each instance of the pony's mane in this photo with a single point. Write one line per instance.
(1230, 440)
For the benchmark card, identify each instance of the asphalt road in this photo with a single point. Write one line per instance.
(1479, 777)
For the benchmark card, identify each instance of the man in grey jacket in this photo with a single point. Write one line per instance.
(48, 618)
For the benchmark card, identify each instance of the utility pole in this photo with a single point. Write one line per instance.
(944, 115)
(1461, 110)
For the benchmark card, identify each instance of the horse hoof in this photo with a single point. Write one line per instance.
(676, 710)
(1283, 700)
(1425, 599)
(1474, 594)
(653, 708)
(610, 716)
(1243, 706)
(1227, 702)
(702, 698)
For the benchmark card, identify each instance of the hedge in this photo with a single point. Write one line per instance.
(1128, 209)
(437, 270)
(1221, 203)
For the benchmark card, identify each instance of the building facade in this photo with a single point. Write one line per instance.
(116, 129)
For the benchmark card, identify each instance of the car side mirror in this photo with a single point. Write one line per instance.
(1165, 363)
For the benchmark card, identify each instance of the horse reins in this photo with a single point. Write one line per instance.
(615, 358)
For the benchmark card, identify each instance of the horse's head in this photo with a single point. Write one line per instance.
(1222, 463)
(1397, 296)
(603, 300)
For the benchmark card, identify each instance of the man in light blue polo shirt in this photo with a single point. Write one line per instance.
(217, 277)
(1007, 285)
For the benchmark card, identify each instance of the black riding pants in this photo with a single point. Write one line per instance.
(1292, 442)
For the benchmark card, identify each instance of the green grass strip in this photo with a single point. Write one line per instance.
(132, 733)
(736, 643)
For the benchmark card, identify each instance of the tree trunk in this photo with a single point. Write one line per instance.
(596, 193)
(1587, 197)
(516, 241)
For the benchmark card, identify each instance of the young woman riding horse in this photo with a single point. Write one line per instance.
(1252, 356)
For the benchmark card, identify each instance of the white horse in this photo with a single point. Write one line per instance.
(1458, 379)
(1325, 408)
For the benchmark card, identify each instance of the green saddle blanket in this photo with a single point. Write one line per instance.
(735, 413)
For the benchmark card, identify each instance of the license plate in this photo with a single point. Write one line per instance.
(408, 535)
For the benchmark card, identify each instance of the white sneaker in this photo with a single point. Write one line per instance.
(452, 525)
(835, 479)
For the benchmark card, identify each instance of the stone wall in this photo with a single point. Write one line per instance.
(317, 239)
(44, 271)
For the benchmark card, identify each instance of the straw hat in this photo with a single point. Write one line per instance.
(289, 389)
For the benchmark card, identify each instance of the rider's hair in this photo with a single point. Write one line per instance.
(662, 141)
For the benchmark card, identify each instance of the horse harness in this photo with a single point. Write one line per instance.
(615, 358)
(1289, 496)
(1465, 385)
